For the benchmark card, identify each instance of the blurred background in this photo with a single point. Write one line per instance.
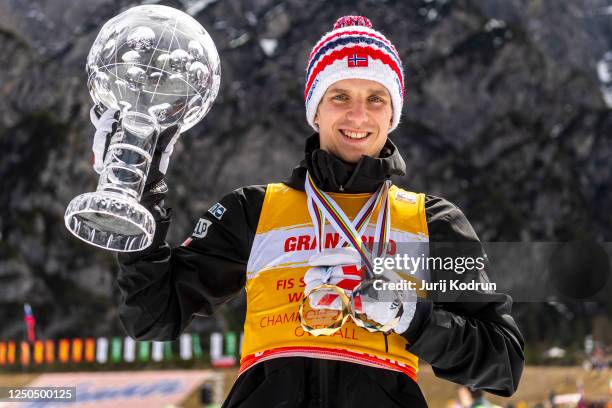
(508, 115)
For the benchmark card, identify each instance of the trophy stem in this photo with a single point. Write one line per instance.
(112, 218)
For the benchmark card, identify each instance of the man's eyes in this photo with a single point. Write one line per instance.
(344, 97)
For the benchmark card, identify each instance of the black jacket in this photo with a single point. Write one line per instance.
(470, 340)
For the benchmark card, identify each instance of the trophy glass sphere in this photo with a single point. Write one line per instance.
(159, 67)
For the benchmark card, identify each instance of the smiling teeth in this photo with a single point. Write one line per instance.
(355, 135)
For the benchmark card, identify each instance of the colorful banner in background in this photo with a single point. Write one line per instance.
(49, 351)
(102, 350)
(158, 351)
(10, 352)
(123, 389)
(25, 353)
(197, 346)
(90, 350)
(115, 354)
(30, 322)
(223, 349)
(185, 343)
(39, 352)
(144, 351)
(64, 351)
(129, 350)
(217, 356)
(77, 350)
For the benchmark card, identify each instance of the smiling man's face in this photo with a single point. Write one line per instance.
(354, 117)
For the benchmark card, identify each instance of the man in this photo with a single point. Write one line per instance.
(473, 399)
(261, 238)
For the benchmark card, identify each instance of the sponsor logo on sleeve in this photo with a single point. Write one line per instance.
(201, 228)
(217, 211)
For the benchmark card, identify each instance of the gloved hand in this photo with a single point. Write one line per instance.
(339, 267)
(343, 276)
(106, 123)
(382, 306)
(342, 267)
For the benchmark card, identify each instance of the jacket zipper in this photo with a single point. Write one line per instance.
(341, 188)
(323, 385)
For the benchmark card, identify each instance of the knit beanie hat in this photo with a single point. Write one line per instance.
(353, 49)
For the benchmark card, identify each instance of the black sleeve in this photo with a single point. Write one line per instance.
(469, 338)
(163, 287)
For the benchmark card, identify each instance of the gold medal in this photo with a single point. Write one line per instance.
(322, 321)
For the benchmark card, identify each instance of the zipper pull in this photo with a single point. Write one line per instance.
(341, 188)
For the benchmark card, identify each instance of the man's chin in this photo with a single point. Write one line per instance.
(350, 160)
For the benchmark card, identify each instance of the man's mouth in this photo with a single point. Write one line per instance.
(355, 135)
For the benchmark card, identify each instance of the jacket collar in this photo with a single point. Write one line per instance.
(333, 175)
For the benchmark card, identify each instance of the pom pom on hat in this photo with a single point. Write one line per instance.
(353, 50)
(348, 21)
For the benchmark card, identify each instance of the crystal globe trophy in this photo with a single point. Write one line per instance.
(159, 67)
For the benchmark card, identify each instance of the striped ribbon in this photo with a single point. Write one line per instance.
(321, 207)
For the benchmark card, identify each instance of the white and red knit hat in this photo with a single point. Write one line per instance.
(353, 49)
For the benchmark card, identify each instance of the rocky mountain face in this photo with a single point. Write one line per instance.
(508, 114)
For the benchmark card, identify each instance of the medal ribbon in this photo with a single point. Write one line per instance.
(322, 206)
(362, 219)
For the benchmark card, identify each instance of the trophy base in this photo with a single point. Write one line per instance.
(110, 221)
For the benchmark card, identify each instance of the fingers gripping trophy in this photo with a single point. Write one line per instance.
(159, 68)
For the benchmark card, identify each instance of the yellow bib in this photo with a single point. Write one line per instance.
(283, 243)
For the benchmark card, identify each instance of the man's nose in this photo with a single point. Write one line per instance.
(357, 113)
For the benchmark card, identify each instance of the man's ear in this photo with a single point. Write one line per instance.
(316, 118)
